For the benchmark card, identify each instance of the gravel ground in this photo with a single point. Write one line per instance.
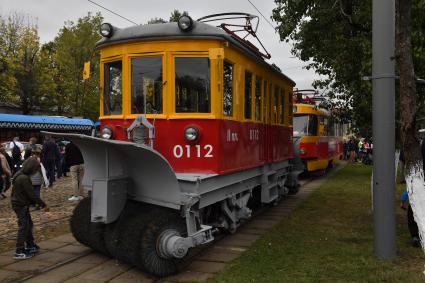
(46, 224)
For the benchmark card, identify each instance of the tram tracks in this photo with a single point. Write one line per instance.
(199, 252)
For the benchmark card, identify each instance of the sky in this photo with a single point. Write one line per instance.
(50, 16)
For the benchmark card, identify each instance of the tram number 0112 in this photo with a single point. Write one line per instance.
(189, 151)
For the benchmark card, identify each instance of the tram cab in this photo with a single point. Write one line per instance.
(315, 143)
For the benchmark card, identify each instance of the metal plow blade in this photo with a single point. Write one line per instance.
(149, 176)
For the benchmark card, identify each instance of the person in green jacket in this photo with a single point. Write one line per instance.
(22, 197)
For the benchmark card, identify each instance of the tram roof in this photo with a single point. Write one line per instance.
(200, 30)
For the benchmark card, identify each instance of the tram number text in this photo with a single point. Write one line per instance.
(193, 151)
(254, 135)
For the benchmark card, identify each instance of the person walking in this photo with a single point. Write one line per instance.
(17, 149)
(40, 177)
(48, 158)
(30, 147)
(411, 223)
(7, 179)
(22, 197)
(75, 161)
(5, 175)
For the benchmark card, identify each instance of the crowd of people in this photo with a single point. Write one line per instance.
(358, 150)
(26, 170)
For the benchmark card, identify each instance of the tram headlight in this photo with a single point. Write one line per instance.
(106, 30)
(185, 23)
(302, 151)
(191, 134)
(106, 133)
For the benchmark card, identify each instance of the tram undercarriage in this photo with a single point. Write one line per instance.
(142, 213)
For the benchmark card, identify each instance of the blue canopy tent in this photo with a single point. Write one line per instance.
(27, 125)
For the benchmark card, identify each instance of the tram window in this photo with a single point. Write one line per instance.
(112, 95)
(265, 99)
(227, 89)
(146, 85)
(192, 85)
(276, 105)
(258, 81)
(248, 95)
(281, 105)
(270, 93)
(305, 125)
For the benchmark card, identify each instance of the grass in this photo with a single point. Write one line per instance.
(329, 238)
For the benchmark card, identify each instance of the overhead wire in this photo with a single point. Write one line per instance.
(262, 15)
(116, 14)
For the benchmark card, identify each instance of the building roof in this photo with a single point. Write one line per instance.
(44, 122)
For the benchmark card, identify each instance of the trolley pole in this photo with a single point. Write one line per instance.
(383, 84)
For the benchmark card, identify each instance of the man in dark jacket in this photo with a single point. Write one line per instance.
(22, 197)
(74, 160)
(49, 154)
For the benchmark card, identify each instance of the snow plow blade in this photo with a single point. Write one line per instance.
(141, 171)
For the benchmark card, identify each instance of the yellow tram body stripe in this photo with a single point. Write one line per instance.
(218, 52)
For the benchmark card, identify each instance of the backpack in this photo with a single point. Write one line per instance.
(16, 151)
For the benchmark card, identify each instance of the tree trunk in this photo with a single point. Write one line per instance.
(408, 101)
(408, 96)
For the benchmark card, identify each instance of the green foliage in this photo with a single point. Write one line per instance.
(156, 21)
(48, 78)
(74, 45)
(176, 14)
(336, 37)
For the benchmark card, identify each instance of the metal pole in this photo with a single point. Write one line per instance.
(383, 40)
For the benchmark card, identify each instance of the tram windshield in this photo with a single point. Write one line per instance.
(112, 95)
(305, 125)
(192, 85)
(146, 85)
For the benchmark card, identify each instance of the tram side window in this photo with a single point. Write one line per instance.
(281, 105)
(258, 81)
(271, 107)
(146, 85)
(248, 95)
(112, 95)
(265, 99)
(276, 105)
(192, 85)
(227, 89)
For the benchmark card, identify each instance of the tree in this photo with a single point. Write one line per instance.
(73, 46)
(336, 37)
(23, 75)
(156, 21)
(176, 14)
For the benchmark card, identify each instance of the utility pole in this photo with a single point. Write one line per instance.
(383, 84)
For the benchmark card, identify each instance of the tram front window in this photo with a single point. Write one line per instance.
(146, 85)
(305, 125)
(192, 85)
(112, 95)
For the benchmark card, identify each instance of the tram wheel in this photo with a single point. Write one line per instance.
(158, 222)
(86, 232)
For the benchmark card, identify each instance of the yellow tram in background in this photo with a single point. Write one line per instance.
(318, 142)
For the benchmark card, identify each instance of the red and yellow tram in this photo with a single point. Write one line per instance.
(196, 131)
(315, 142)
